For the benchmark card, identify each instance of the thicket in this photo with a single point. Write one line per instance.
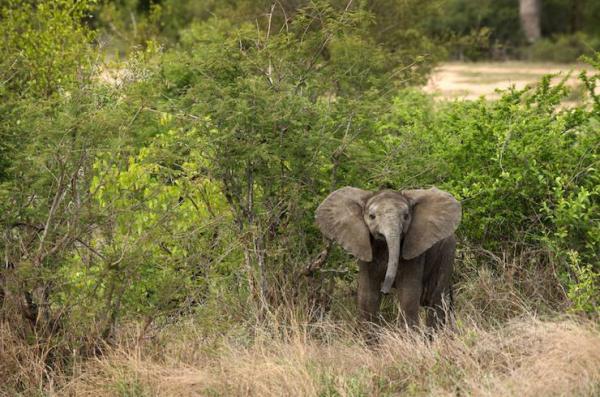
(435, 29)
(183, 181)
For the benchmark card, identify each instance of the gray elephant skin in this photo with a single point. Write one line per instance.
(402, 239)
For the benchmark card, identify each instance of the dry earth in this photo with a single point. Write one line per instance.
(472, 80)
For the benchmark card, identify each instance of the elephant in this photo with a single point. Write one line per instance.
(401, 238)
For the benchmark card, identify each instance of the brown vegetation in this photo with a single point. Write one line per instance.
(502, 343)
(525, 357)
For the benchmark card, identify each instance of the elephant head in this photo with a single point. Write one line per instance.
(410, 222)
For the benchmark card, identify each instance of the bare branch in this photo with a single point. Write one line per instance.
(319, 261)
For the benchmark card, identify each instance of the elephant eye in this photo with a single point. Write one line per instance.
(371, 216)
(406, 216)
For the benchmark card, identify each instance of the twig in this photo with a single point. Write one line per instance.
(92, 250)
(319, 260)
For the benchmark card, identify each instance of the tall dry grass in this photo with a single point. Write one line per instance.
(508, 340)
(525, 357)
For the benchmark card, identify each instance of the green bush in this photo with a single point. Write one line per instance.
(273, 120)
(45, 46)
(525, 170)
(582, 285)
(190, 180)
(562, 48)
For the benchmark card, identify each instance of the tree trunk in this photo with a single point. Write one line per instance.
(529, 11)
(576, 16)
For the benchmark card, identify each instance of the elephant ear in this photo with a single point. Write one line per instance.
(340, 218)
(435, 216)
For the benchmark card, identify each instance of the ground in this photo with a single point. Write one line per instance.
(472, 80)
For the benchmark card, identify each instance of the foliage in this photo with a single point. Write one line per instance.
(563, 47)
(460, 29)
(526, 172)
(183, 180)
(401, 27)
(568, 17)
(44, 50)
(583, 287)
(192, 175)
(272, 116)
(476, 30)
(568, 29)
(44, 46)
(131, 24)
(507, 153)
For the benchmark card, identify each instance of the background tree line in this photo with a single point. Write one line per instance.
(561, 30)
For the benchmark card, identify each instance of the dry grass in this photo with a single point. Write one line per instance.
(498, 347)
(528, 357)
(472, 80)
(21, 364)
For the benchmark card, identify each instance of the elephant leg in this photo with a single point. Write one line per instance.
(439, 310)
(369, 296)
(438, 298)
(409, 289)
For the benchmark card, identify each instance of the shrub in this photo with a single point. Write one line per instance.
(45, 46)
(192, 180)
(562, 48)
(525, 171)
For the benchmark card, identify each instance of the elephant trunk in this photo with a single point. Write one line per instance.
(393, 243)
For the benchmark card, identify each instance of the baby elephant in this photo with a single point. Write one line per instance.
(403, 239)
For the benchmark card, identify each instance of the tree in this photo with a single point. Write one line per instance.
(529, 11)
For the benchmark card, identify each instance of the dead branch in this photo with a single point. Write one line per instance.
(319, 261)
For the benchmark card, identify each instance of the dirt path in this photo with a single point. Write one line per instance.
(472, 80)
